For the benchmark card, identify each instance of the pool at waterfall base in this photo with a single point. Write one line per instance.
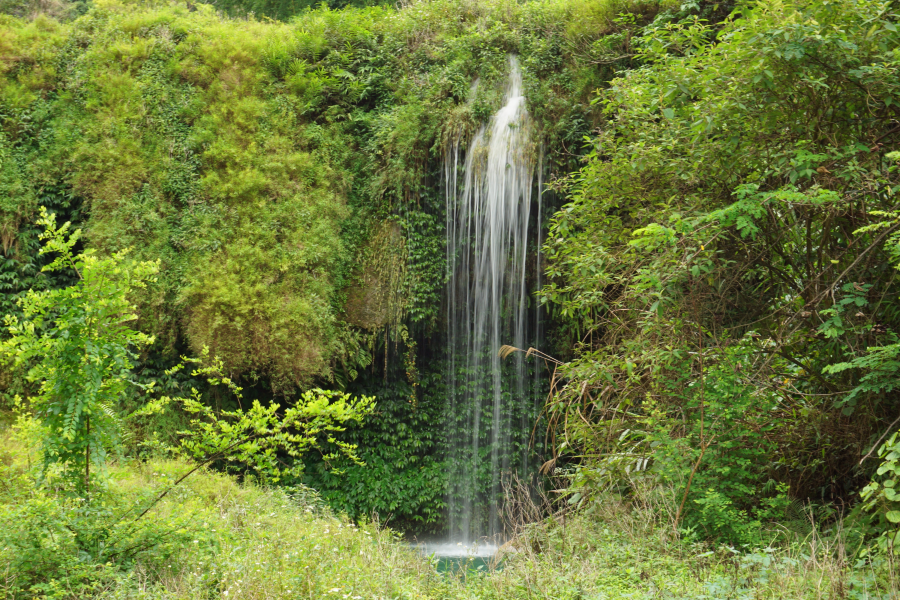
(459, 558)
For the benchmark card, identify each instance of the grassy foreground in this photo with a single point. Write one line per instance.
(212, 537)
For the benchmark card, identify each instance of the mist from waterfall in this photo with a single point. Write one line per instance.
(489, 198)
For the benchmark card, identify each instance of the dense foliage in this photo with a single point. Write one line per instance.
(255, 160)
(402, 477)
(719, 275)
(79, 343)
(286, 177)
(729, 256)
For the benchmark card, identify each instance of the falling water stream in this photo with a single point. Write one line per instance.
(489, 198)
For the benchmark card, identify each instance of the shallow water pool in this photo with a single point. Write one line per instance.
(453, 557)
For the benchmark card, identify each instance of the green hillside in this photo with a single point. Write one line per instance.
(262, 192)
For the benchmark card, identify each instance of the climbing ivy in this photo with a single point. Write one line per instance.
(280, 171)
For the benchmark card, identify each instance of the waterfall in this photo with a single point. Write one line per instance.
(489, 199)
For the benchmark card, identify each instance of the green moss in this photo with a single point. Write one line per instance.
(287, 175)
(250, 156)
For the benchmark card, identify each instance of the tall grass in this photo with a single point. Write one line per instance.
(244, 541)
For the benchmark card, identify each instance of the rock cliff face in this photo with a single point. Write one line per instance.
(290, 178)
(378, 297)
(288, 175)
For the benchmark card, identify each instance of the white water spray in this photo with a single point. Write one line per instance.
(487, 242)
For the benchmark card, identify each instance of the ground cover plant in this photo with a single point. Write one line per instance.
(216, 538)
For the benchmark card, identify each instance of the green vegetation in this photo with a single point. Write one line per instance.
(68, 522)
(401, 476)
(730, 248)
(282, 174)
(262, 200)
(77, 343)
(214, 536)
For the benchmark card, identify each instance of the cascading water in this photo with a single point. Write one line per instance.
(489, 199)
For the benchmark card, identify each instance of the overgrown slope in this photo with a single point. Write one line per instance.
(289, 178)
(730, 259)
(257, 158)
(214, 538)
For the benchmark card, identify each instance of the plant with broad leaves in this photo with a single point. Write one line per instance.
(884, 495)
